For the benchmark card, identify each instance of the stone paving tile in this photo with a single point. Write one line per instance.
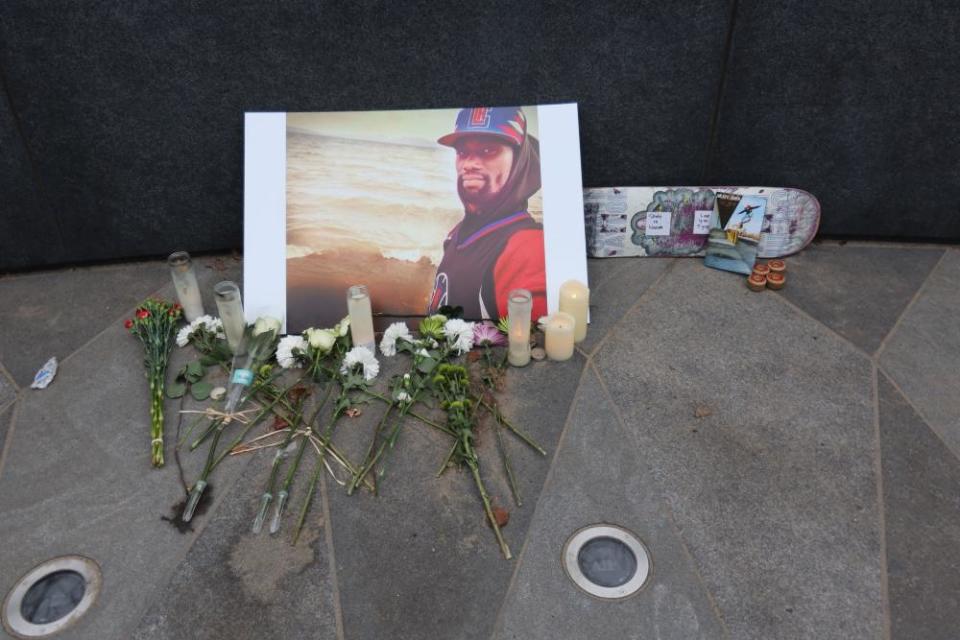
(921, 487)
(53, 313)
(619, 282)
(857, 291)
(419, 561)
(8, 391)
(775, 491)
(596, 478)
(922, 355)
(77, 479)
(234, 584)
(6, 419)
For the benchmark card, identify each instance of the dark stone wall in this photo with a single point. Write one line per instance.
(121, 124)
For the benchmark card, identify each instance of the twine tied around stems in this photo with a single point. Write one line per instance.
(226, 418)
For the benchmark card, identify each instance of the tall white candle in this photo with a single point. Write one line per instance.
(185, 282)
(519, 305)
(361, 317)
(575, 300)
(230, 307)
(559, 342)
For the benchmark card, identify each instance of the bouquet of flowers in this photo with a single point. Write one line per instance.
(155, 323)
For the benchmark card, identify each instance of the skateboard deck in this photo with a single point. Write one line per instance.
(676, 221)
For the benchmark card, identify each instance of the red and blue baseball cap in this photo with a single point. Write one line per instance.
(507, 123)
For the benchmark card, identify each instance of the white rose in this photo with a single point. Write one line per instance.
(321, 339)
(266, 324)
(342, 327)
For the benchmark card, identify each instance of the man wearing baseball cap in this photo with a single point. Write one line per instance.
(497, 246)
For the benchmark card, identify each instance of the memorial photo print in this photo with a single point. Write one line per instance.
(427, 208)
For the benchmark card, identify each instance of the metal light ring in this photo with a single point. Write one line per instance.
(20, 627)
(571, 565)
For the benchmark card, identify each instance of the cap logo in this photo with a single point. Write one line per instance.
(480, 117)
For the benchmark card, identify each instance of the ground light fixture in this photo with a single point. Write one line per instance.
(607, 561)
(51, 597)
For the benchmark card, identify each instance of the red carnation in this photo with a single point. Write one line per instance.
(143, 313)
(128, 323)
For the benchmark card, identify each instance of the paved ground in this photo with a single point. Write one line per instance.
(817, 499)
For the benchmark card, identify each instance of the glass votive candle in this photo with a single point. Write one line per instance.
(230, 308)
(559, 340)
(361, 317)
(185, 282)
(519, 306)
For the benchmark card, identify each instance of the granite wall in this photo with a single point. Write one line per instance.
(121, 124)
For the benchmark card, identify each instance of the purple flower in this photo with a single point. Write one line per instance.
(485, 333)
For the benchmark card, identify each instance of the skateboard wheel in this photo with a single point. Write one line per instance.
(756, 282)
(776, 280)
(777, 266)
(761, 269)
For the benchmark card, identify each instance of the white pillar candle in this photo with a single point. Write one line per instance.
(559, 342)
(361, 317)
(185, 282)
(230, 307)
(519, 305)
(575, 300)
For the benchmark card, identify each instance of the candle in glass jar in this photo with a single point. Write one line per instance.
(230, 307)
(361, 317)
(185, 282)
(519, 305)
(559, 342)
(575, 300)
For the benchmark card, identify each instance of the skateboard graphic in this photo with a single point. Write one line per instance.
(676, 221)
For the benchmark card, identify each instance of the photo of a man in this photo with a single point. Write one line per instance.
(497, 246)
(428, 208)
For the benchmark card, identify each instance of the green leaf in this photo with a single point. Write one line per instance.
(208, 361)
(195, 371)
(176, 390)
(201, 390)
(427, 365)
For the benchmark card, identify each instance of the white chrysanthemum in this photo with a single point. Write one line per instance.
(362, 356)
(459, 335)
(403, 396)
(183, 336)
(213, 325)
(286, 357)
(423, 353)
(397, 330)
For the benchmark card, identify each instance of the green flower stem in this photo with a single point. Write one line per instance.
(287, 482)
(446, 461)
(506, 466)
(279, 398)
(327, 435)
(256, 388)
(413, 414)
(156, 415)
(516, 431)
(278, 456)
(306, 503)
(373, 442)
(474, 464)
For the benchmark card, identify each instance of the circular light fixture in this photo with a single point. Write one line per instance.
(607, 561)
(51, 597)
